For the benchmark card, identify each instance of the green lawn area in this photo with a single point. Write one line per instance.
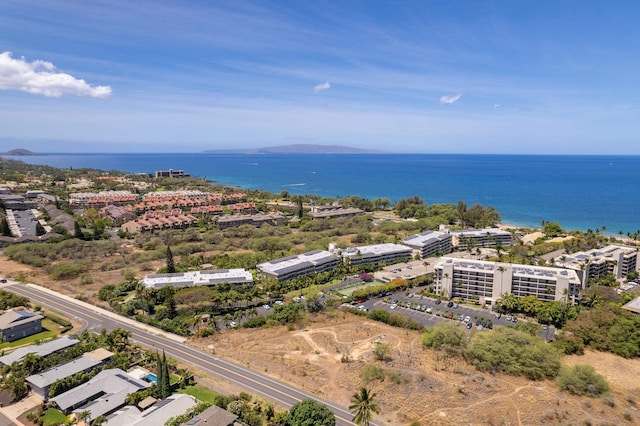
(53, 417)
(29, 340)
(174, 378)
(201, 393)
(348, 290)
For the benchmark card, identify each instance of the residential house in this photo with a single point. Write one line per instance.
(159, 413)
(43, 349)
(17, 324)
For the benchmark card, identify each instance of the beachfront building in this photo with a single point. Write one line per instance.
(487, 237)
(376, 254)
(171, 173)
(430, 243)
(43, 349)
(485, 281)
(18, 324)
(41, 382)
(307, 263)
(198, 278)
(613, 259)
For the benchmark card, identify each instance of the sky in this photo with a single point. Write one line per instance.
(475, 76)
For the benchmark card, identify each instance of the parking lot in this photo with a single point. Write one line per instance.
(399, 302)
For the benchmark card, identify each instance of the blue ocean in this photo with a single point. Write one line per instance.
(579, 192)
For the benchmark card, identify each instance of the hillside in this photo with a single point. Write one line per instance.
(19, 151)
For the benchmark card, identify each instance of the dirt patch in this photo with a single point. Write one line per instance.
(416, 387)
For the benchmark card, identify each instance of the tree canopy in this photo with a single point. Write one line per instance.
(310, 413)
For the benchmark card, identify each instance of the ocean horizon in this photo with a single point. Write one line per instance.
(579, 191)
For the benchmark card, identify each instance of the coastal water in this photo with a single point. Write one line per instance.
(580, 192)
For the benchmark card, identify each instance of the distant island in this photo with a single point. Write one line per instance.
(19, 152)
(298, 149)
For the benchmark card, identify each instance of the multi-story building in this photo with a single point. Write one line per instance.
(613, 259)
(376, 254)
(257, 220)
(333, 211)
(487, 237)
(290, 267)
(430, 243)
(198, 278)
(486, 281)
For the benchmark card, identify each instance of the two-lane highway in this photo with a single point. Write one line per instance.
(96, 319)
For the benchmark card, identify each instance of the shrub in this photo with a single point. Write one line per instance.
(371, 372)
(582, 380)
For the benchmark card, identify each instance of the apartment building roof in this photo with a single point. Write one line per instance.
(292, 263)
(610, 252)
(521, 270)
(195, 278)
(375, 250)
(477, 233)
(425, 238)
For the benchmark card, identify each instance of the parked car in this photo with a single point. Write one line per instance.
(393, 306)
(438, 301)
(467, 318)
(429, 310)
(469, 325)
(545, 327)
(233, 324)
(450, 304)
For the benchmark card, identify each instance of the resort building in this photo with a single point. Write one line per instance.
(302, 264)
(18, 324)
(41, 382)
(257, 220)
(430, 243)
(485, 281)
(487, 237)
(332, 212)
(116, 214)
(376, 254)
(613, 259)
(101, 199)
(171, 173)
(198, 278)
(43, 349)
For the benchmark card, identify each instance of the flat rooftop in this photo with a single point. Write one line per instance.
(315, 257)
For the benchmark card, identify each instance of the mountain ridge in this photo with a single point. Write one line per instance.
(299, 149)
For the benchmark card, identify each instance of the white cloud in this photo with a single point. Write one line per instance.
(447, 100)
(321, 87)
(496, 106)
(40, 78)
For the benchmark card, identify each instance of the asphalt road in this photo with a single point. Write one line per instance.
(95, 319)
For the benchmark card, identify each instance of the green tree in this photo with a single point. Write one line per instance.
(310, 413)
(382, 351)
(77, 232)
(171, 266)
(363, 406)
(552, 229)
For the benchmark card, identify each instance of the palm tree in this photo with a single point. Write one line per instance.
(362, 405)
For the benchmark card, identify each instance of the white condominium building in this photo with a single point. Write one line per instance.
(487, 237)
(377, 253)
(613, 260)
(198, 278)
(430, 243)
(487, 281)
(302, 264)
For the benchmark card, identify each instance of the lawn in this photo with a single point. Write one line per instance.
(201, 393)
(53, 417)
(347, 291)
(38, 337)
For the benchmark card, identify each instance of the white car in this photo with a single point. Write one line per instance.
(233, 324)
(467, 318)
(393, 306)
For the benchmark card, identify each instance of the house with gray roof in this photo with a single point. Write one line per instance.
(307, 263)
(15, 325)
(158, 414)
(212, 416)
(41, 382)
(42, 349)
(102, 395)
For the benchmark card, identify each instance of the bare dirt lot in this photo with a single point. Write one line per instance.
(415, 387)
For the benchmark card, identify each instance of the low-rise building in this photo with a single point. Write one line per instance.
(18, 324)
(101, 395)
(485, 281)
(332, 212)
(41, 382)
(376, 254)
(198, 278)
(43, 349)
(213, 416)
(290, 267)
(158, 414)
(430, 243)
(487, 237)
(257, 220)
(171, 173)
(116, 214)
